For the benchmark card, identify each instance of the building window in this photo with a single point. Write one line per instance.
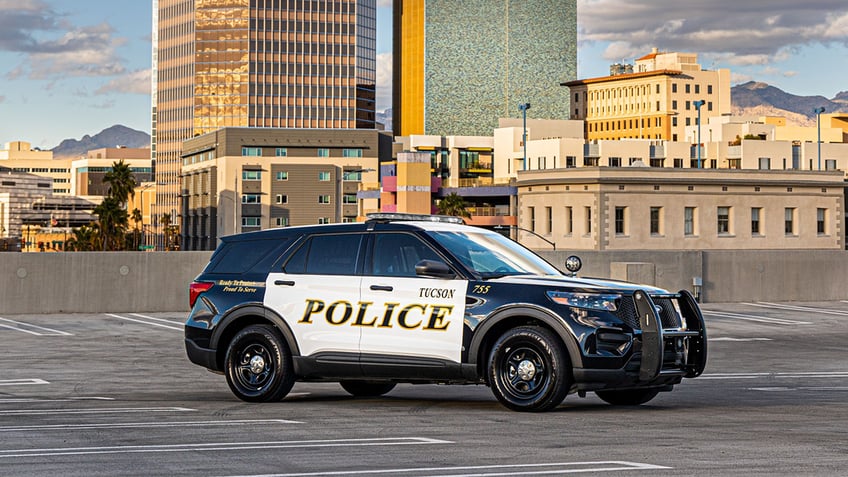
(323, 176)
(352, 152)
(588, 220)
(723, 220)
(323, 199)
(281, 221)
(251, 175)
(657, 162)
(323, 220)
(689, 221)
(251, 222)
(282, 176)
(765, 163)
(673, 87)
(250, 199)
(531, 214)
(323, 152)
(709, 89)
(734, 163)
(756, 217)
(590, 161)
(656, 220)
(352, 176)
(549, 220)
(280, 152)
(349, 199)
(789, 220)
(697, 89)
(678, 163)
(569, 220)
(821, 221)
(619, 220)
(282, 199)
(674, 104)
(615, 162)
(830, 164)
(570, 161)
(251, 151)
(688, 89)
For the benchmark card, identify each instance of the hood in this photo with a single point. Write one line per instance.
(590, 285)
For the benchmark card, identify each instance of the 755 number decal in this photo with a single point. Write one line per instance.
(481, 289)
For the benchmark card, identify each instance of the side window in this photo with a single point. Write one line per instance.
(326, 255)
(239, 257)
(395, 254)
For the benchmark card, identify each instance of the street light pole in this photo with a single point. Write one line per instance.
(818, 112)
(501, 227)
(698, 105)
(523, 107)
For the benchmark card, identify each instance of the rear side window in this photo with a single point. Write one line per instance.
(239, 257)
(326, 255)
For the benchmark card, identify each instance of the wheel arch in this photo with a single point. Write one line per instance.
(500, 321)
(246, 315)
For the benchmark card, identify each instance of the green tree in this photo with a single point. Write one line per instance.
(453, 204)
(85, 239)
(121, 182)
(166, 226)
(136, 218)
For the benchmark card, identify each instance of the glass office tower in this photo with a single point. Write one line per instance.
(459, 66)
(257, 63)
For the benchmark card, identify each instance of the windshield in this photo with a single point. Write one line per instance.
(492, 255)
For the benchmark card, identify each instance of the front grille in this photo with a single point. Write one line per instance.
(668, 314)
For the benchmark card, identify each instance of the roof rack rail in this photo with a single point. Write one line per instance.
(394, 217)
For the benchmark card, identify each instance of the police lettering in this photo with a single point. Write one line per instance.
(408, 317)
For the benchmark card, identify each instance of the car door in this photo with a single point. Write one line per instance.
(317, 292)
(411, 321)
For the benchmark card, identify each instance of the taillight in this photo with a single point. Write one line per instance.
(195, 289)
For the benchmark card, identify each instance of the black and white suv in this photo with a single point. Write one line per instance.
(425, 299)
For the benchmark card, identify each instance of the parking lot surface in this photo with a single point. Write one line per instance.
(113, 394)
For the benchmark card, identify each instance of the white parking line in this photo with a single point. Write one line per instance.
(728, 338)
(147, 425)
(177, 323)
(70, 399)
(783, 306)
(21, 326)
(222, 446)
(22, 382)
(115, 410)
(491, 470)
(806, 388)
(798, 375)
(760, 319)
(144, 322)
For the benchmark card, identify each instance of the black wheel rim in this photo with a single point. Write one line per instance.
(524, 372)
(254, 367)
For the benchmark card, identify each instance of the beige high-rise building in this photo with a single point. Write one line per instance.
(257, 63)
(655, 99)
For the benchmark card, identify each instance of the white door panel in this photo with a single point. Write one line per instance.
(407, 316)
(319, 309)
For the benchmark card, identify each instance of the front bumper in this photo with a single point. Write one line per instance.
(660, 357)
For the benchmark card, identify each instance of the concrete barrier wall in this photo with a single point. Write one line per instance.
(97, 281)
(83, 282)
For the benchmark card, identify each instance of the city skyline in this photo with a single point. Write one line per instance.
(76, 68)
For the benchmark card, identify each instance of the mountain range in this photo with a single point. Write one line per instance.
(748, 99)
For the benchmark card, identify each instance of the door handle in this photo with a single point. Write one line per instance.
(288, 283)
(381, 288)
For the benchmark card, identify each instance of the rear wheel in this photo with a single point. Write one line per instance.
(367, 388)
(258, 365)
(529, 369)
(630, 397)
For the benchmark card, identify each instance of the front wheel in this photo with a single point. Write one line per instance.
(630, 397)
(367, 388)
(258, 365)
(529, 370)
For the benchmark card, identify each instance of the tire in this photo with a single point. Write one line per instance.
(258, 365)
(367, 388)
(529, 369)
(630, 397)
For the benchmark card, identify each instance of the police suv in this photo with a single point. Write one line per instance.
(406, 298)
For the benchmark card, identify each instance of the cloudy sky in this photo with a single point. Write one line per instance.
(75, 67)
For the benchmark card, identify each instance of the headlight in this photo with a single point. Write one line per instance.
(593, 301)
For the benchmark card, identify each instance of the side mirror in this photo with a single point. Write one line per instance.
(573, 264)
(433, 268)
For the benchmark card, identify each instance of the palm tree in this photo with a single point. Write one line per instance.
(453, 204)
(137, 218)
(85, 239)
(113, 222)
(166, 226)
(122, 182)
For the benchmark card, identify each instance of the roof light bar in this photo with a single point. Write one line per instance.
(390, 217)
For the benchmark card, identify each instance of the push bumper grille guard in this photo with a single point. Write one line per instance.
(653, 337)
